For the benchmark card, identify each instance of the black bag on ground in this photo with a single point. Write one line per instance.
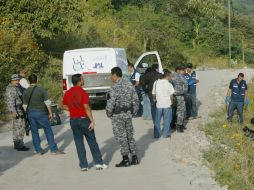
(56, 120)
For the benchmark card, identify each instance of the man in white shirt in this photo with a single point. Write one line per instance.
(23, 83)
(163, 91)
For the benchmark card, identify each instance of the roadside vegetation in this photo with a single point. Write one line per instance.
(231, 155)
(35, 34)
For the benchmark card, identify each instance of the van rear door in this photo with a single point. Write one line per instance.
(90, 61)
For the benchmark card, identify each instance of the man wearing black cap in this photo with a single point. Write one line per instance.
(13, 99)
(191, 103)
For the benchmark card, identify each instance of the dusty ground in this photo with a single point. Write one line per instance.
(173, 164)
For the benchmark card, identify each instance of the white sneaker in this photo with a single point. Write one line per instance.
(84, 169)
(101, 166)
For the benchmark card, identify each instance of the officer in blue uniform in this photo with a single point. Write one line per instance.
(134, 79)
(238, 92)
(191, 98)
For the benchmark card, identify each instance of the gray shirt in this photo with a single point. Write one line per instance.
(38, 98)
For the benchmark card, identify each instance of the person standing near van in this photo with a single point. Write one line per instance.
(191, 103)
(76, 101)
(163, 90)
(147, 115)
(37, 104)
(149, 80)
(135, 78)
(181, 88)
(122, 104)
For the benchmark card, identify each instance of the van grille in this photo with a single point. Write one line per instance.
(97, 80)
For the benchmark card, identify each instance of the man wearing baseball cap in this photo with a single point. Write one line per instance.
(13, 99)
(192, 79)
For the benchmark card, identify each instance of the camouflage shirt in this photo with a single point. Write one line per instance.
(12, 98)
(122, 99)
(180, 84)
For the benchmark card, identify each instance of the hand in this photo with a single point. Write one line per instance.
(227, 100)
(50, 116)
(246, 102)
(14, 115)
(91, 126)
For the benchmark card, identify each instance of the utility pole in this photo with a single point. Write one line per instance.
(243, 53)
(229, 33)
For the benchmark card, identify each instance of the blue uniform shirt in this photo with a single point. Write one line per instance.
(238, 90)
(191, 80)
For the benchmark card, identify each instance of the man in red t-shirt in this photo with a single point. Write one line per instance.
(76, 101)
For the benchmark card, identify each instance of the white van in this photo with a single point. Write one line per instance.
(95, 65)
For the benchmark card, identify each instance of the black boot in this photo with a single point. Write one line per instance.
(179, 128)
(19, 146)
(134, 160)
(125, 162)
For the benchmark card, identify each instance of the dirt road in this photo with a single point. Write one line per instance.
(172, 164)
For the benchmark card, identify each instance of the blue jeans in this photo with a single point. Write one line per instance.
(80, 129)
(239, 106)
(153, 108)
(166, 113)
(36, 119)
(146, 107)
(191, 105)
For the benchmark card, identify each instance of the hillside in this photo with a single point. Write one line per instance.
(34, 34)
(245, 7)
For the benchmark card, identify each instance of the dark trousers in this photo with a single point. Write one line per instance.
(80, 129)
(191, 105)
(239, 106)
(153, 108)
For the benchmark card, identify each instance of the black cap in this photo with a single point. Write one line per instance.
(189, 65)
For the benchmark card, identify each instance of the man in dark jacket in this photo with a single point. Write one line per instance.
(148, 80)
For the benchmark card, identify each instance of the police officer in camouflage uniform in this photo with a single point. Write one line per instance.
(122, 104)
(181, 88)
(13, 98)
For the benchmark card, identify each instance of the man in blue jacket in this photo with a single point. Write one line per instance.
(238, 93)
(191, 102)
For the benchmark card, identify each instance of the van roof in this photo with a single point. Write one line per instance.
(93, 49)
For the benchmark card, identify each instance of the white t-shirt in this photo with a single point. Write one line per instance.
(137, 76)
(24, 83)
(163, 90)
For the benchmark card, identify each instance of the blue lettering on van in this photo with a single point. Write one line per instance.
(98, 66)
(78, 63)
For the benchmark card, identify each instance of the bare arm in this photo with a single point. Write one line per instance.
(65, 107)
(171, 98)
(137, 83)
(89, 115)
(229, 92)
(50, 112)
(246, 94)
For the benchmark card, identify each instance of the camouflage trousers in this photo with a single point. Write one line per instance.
(180, 110)
(18, 130)
(123, 132)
